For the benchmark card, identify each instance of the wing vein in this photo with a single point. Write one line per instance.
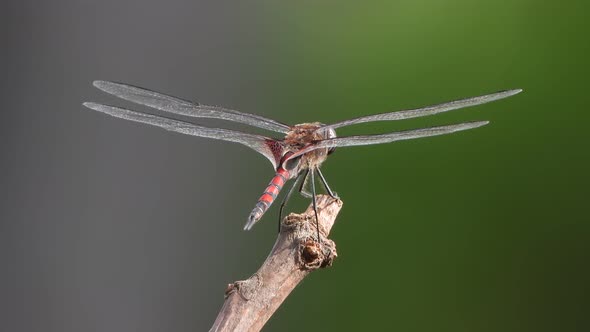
(428, 110)
(388, 138)
(256, 142)
(170, 104)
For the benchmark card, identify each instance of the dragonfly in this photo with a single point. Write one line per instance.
(304, 147)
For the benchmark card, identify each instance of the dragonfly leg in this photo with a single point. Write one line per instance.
(303, 187)
(330, 192)
(286, 199)
(315, 208)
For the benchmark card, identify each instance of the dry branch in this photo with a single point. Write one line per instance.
(250, 303)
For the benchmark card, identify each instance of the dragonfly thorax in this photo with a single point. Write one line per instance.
(303, 135)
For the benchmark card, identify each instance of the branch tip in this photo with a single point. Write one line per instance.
(250, 303)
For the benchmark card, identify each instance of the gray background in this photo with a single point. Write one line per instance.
(112, 226)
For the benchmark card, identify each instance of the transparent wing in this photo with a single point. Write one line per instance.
(388, 138)
(175, 105)
(258, 143)
(429, 110)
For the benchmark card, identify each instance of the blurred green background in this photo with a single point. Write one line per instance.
(106, 225)
(484, 230)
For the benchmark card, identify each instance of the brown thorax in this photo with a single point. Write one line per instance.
(301, 136)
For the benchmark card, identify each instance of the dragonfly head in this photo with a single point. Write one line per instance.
(329, 132)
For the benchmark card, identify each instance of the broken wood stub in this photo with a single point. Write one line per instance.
(250, 303)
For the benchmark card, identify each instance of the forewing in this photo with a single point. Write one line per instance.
(264, 145)
(429, 110)
(388, 138)
(175, 105)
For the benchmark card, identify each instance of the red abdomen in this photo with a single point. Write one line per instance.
(270, 194)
